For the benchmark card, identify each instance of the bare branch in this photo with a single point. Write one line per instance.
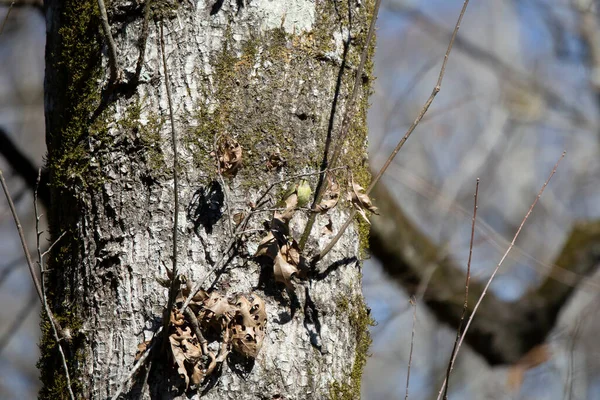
(143, 39)
(115, 72)
(465, 306)
(487, 285)
(10, 7)
(11, 205)
(174, 280)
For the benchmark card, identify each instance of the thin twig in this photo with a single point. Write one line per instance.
(10, 7)
(53, 324)
(174, 280)
(465, 305)
(427, 104)
(143, 39)
(113, 62)
(400, 144)
(11, 205)
(413, 303)
(487, 285)
(348, 114)
(45, 253)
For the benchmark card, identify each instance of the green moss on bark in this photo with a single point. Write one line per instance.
(73, 71)
(360, 321)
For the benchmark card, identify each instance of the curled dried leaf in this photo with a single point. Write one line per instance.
(229, 155)
(246, 340)
(284, 271)
(361, 201)
(258, 311)
(330, 197)
(290, 203)
(291, 252)
(238, 218)
(268, 246)
(141, 349)
(179, 359)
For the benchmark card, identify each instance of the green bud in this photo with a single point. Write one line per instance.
(303, 191)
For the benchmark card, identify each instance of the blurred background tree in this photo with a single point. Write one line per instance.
(521, 87)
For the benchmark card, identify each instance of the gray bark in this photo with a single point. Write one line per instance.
(261, 72)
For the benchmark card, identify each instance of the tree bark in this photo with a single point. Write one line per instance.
(262, 73)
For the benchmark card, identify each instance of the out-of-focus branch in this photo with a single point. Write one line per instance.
(502, 332)
(37, 4)
(23, 166)
(590, 34)
(503, 68)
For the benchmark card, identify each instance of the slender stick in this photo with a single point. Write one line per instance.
(425, 107)
(112, 47)
(53, 324)
(413, 303)
(400, 144)
(143, 39)
(11, 205)
(348, 113)
(465, 305)
(174, 280)
(10, 7)
(487, 285)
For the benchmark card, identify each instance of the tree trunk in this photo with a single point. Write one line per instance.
(264, 74)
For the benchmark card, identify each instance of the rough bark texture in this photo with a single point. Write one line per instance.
(261, 72)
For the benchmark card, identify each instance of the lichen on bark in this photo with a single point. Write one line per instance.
(268, 87)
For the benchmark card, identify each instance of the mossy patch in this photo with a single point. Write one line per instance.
(360, 320)
(73, 73)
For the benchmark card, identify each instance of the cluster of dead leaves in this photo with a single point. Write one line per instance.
(279, 246)
(237, 325)
(229, 156)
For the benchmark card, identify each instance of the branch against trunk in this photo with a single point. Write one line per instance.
(250, 72)
(502, 332)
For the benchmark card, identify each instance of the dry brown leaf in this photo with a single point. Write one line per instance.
(141, 349)
(229, 155)
(246, 340)
(289, 203)
(291, 252)
(179, 358)
(238, 218)
(177, 319)
(197, 375)
(361, 201)
(268, 246)
(330, 197)
(258, 311)
(192, 353)
(220, 307)
(284, 271)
